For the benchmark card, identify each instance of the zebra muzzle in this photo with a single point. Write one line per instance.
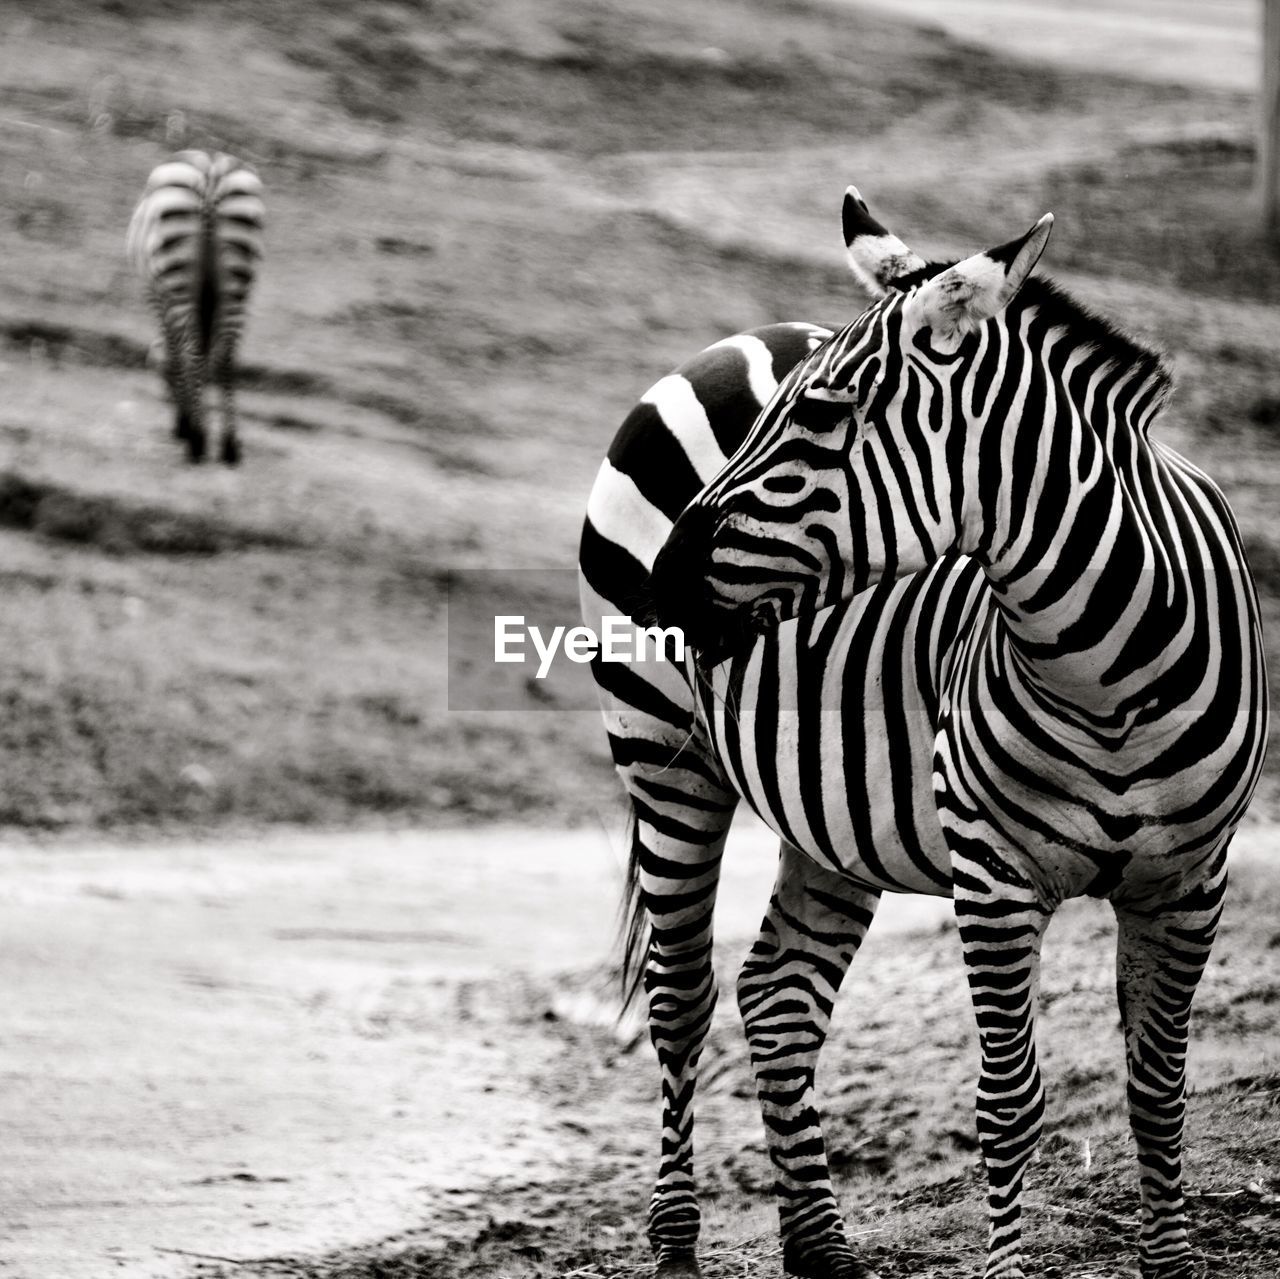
(680, 592)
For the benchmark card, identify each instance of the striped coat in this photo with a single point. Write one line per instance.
(963, 629)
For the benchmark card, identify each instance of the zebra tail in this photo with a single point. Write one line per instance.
(207, 295)
(634, 928)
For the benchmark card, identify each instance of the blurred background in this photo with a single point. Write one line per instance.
(491, 225)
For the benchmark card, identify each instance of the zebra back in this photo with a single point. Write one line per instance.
(669, 446)
(672, 443)
(196, 236)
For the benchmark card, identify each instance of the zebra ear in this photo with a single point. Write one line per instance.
(876, 257)
(963, 296)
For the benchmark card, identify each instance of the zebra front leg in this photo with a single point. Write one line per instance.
(787, 987)
(1159, 959)
(678, 863)
(1002, 921)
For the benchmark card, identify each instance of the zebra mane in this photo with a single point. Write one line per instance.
(1059, 308)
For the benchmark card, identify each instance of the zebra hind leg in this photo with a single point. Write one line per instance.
(190, 403)
(182, 375)
(1002, 923)
(786, 990)
(225, 373)
(178, 393)
(676, 849)
(168, 357)
(196, 439)
(1159, 960)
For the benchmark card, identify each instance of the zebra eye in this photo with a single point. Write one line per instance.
(819, 413)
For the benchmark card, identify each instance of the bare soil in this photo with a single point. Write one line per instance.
(347, 1057)
(306, 1040)
(297, 1042)
(1171, 40)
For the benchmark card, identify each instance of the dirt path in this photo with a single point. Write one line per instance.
(228, 1048)
(1179, 41)
(303, 1042)
(219, 1048)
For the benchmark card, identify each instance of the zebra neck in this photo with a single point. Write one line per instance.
(1091, 575)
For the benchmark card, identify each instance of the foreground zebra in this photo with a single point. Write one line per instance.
(195, 238)
(963, 629)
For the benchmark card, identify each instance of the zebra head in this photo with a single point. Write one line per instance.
(861, 468)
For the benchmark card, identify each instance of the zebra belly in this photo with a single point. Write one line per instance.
(1076, 820)
(841, 763)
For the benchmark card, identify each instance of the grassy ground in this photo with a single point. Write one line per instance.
(901, 1137)
(491, 226)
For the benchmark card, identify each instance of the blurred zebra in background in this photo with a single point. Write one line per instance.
(195, 238)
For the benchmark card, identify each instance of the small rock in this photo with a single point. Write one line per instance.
(197, 776)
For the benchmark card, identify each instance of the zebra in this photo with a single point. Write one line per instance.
(196, 239)
(961, 628)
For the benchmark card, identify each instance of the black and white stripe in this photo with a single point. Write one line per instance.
(964, 630)
(675, 440)
(196, 239)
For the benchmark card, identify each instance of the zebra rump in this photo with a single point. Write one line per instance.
(195, 239)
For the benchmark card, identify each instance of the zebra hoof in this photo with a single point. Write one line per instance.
(835, 1264)
(231, 452)
(848, 1269)
(677, 1264)
(683, 1269)
(1180, 1268)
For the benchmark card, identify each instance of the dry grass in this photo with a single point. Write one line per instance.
(491, 226)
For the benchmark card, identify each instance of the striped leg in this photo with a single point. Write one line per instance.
(175, 366)
(186, 372)
(679, 839)
(1159, 960)
(224, 374)
(194, 375)
(173, 362)
(815, 923)
(183, 372)
(1002, 923)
